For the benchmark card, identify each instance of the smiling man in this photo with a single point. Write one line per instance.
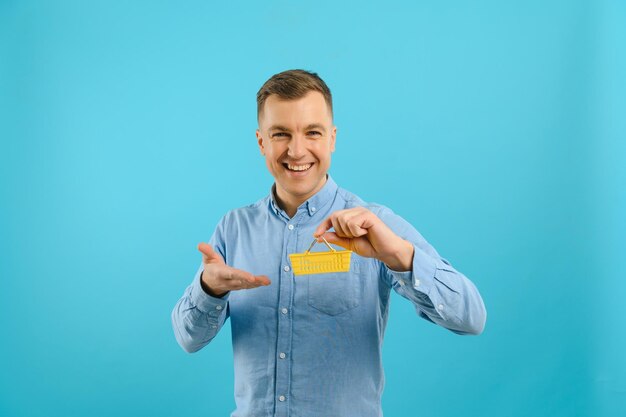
(310, 345)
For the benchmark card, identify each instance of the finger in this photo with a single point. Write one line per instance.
(250, 280)
(324, 226)
(355, 224)
(338, 228)
(239, 274)
(263, 280)
(349, 225)
(344, 242)
(209, 255)
(243, 284)
(236, 284)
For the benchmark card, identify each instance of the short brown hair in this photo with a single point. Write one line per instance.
(291, 85)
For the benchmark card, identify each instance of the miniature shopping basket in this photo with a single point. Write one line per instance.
(320, 262)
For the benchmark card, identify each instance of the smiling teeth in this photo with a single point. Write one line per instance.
(299, 167)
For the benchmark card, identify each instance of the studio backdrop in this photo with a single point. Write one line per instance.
(127, 129)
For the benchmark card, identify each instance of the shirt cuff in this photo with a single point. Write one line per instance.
(422, 274)
(205, 302)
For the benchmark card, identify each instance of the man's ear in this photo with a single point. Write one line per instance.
(333, 136)
(260, 141)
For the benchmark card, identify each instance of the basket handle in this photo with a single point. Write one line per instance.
(325, 241)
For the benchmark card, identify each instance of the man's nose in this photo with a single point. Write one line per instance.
(296, 147)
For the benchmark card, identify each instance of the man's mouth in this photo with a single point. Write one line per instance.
(298, 168)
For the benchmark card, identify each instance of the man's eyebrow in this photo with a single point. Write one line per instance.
(278, 127)
(315, 126)
(286, 129)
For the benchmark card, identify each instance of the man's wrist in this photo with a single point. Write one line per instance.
(402, 260)
(208, 290)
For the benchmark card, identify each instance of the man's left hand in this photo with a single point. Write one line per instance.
(361, 231)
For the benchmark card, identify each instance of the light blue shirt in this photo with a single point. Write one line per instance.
(311, 345)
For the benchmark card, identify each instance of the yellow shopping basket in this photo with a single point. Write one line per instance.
(320, 262)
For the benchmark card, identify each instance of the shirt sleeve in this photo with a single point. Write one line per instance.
(439, 292)
(197, 317)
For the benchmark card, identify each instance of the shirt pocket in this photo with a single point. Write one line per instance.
(336, 292)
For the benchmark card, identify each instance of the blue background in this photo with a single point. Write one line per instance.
(496, 128)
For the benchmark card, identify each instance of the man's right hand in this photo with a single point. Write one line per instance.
(218, 278)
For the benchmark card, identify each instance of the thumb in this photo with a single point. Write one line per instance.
(332, 237)
(209, 256)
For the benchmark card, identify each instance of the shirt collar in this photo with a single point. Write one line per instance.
(314, 203)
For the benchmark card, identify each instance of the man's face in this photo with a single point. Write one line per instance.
(297, 137)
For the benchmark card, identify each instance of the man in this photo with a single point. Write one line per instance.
(310, 345)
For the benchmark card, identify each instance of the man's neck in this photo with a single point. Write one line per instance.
(290, 203)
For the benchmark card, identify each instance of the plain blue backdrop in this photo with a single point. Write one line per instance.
(496, 128)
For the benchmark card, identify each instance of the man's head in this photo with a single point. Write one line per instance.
(296, 132)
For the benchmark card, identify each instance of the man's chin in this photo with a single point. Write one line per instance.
(300, 189)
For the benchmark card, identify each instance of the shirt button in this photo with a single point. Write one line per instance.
(402, 283)
(313, 209)
(286, 268)
(218, 307)
(417, 282)
(290, 227)
(440, 306)
(284, 310)
(281, 398)
(214, 326)
(282, 355)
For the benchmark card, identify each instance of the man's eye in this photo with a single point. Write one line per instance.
(314, 133)
(279, 134)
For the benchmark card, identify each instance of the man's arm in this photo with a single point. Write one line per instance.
(411, 266)
(198, 316)
(440, 293)
(203, 309)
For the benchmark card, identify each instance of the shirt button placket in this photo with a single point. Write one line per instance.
(283, 371)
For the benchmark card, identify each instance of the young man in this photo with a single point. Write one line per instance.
(310, 345)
